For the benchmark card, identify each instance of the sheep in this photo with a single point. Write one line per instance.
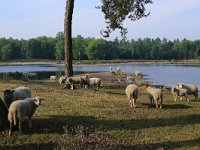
(192, 89)
(179, 92)
(112, 72)
(95, 82)
(138, 74)
(62, 80)
(13, 75)
(132, 94)
(75, 80)
(11, 95)
(52, 77)
(156, 95)
(20, 110)
(30, 75)
(130, 79)
(3, 113)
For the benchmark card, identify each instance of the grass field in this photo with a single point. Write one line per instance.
(88, 119)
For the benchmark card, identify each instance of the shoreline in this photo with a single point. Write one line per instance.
(99, 62)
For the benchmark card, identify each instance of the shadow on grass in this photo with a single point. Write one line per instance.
(54, 124)
(106, 145)
(170, 106)
(38, 146)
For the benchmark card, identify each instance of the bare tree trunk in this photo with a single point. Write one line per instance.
(68, 37)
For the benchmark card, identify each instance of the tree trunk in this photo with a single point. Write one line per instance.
(68, 37)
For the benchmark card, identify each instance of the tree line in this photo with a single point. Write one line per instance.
(98, 49)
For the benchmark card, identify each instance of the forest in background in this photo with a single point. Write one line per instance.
(52, 48)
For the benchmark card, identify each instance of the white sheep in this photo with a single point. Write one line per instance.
(95, 82)
(11, 95)
(132, 94)
(179, 92)
(52, 77)
(192, 89)
(130, 79)
(138, 74)
(20, 110)
(62, 81)
(156, 95)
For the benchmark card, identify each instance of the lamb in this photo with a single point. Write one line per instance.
(179, 92)
(11, 95)
(52, 77)
(20, 110)
(132, 94)
(192, 89)
(156, 95)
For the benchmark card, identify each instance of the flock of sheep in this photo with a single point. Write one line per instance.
(156, 94)
(17, 104)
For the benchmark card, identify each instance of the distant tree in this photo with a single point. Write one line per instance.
(96, 49)
(6, 52)
(79, 47)
(116, 11)
(59, 46)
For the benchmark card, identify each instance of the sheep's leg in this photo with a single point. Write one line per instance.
(160, 103)
(131, 103)
(134, 101)
(175, 98)
(187, 98)
(181, 98)
(10, 131)
(29, 122)
(20, 127)
(156, 104)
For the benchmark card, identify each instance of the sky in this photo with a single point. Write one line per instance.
(25, 19)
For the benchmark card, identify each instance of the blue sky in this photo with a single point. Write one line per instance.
(32, 18)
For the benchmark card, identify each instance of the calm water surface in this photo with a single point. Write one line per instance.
(158, 73)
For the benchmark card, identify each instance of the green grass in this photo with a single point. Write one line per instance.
(103, 120)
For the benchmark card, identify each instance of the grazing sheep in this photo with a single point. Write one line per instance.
(112, 72)
(95, 82)
(138, 74)
(11, 95)
(13, 75)
(192, 89)
(179, 92)
(156, 95)
(52, 77)
(75, 80)
(62, 81)
(132, 94)
(130, 79)
(20, 110)
(30, 75)
(3, 114)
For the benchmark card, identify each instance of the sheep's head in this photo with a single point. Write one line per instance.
(8, 96)
(37, 100)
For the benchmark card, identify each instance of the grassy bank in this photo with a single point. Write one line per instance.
(88, 119)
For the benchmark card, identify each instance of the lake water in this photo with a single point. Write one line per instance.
(167, 74)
